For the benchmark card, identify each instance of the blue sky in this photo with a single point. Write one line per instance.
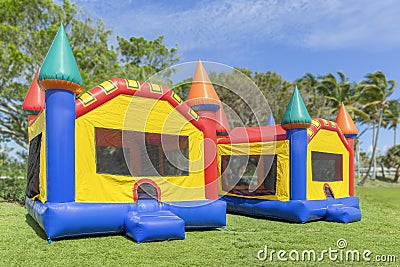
(289, 37)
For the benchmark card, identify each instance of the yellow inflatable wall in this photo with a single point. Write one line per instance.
(139, 114)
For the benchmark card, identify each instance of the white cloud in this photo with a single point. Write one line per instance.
(369, 24)
(231, 24)
(385, 148)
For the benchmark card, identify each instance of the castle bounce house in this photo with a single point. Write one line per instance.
(133, 157)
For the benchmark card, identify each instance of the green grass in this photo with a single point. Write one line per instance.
(22, 243)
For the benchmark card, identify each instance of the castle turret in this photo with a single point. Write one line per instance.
(295, 121)
(59, 77)
(350, 131)
(204, 100)
(270, 120)
(34, 100)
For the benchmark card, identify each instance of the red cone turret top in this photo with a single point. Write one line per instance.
(34, 100)
(202, 91)
(345, 122)
(202, 96)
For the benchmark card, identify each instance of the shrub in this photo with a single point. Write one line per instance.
(13, 190)
(12, 175)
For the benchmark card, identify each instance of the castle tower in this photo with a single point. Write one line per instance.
(59, 77)
(34, 100)
(350, 131)
(204, 100)
(295, 121)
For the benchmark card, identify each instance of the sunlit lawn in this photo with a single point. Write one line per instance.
(22, 243)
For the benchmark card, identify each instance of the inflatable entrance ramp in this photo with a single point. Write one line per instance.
(150, 223)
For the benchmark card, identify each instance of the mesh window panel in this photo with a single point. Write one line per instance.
(110, 153)
(110, 160)
(141, 154)
(176, 157)
(270, 179)
(32, 186)
(326, 167)
(167, 155)
(253, 175)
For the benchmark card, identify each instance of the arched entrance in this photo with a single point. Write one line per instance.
(328, 191)
(146, 189)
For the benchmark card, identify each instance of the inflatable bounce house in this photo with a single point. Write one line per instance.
(132, 157)
(304, 172)
(111, 160)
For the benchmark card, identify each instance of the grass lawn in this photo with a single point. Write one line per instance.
(22, 243)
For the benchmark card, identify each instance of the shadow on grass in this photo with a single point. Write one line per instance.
(386, 180)
(259, 217)
(33, 224)
(41, 233)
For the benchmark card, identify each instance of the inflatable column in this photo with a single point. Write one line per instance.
(296, 121)
(204, 100)
(350, 131)
(59, 77)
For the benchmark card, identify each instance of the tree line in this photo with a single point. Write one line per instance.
(367, 101)
(28, 27)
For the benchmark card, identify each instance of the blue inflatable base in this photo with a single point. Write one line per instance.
(154, 226)
(343, 210)
(72, 219)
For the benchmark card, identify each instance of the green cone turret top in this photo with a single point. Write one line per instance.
(296, 114)
(59, 69)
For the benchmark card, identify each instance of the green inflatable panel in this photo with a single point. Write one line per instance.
(296, 111)
(60, 63)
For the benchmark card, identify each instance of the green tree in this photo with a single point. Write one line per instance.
(317, 105)
(392, 160)
(232, 88)
(11, 166)
(27, 29)
(141, 58)
(276, 90)
(338, 91)
(364, 159)
(22, 37)
(381, 161)
(391, 117)
(375, 90)
(89, 42)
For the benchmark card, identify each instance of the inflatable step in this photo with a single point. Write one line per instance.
(342, 214)
(148, 205)
(154, 226)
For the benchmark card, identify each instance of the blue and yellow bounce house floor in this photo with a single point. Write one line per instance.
(132, 157)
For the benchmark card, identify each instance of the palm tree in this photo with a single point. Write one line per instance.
(375, 91)
(317, 105)
(342, 91)
(391, 117)
(338, 91)
(381, 161)
(392, 160)
(374, 118)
